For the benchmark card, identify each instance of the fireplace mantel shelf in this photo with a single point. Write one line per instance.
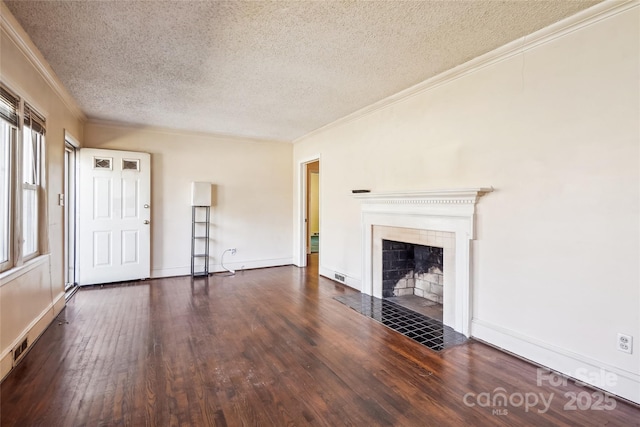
(462, 195)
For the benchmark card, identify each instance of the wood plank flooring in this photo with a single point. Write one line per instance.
(266, 347)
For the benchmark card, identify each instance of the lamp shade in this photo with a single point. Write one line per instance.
(200, 194)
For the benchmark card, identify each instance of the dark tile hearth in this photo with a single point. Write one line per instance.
(427, 331)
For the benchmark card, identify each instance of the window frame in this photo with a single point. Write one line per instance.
(12, 132)
(32, 122)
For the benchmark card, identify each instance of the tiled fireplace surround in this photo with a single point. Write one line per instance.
(442, 218)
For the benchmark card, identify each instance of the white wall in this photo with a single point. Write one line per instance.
(31, 296)
(252, 194)
(555, 129)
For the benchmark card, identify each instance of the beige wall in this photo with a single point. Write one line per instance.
(31, 296)
(252, 194)
(556, 131)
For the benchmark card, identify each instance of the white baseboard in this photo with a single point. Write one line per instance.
(32, 332)
(248, 265)
(217, 268)
(170, 272)
(584, 369)
(348, 280)
(58, 303)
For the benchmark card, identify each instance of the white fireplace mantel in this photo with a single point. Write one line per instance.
(450, 211)
(451, 196)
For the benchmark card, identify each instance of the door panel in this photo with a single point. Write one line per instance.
(102, 249)
(102, 197)
(130, 248)
(114, 198)
(130, 199)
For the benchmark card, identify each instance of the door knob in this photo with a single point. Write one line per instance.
(146, 221)
(146, 206)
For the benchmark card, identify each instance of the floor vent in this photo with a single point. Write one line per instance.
(19, 350)
(339, 277)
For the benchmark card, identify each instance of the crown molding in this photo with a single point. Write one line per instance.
(174, 131)
(596, 13)
(12, 28)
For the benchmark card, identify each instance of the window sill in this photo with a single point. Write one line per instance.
(12, 274)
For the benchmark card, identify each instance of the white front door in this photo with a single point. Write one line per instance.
(114, 209)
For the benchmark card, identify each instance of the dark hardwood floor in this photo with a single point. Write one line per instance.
(267, 347)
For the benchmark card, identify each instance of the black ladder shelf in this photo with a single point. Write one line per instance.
(200, 216)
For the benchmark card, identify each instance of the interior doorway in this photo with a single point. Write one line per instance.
(313, 208)
(309, 185)
(69, 202)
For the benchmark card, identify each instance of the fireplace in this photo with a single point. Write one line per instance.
(444, 219)
(418, 262)
(411, 269)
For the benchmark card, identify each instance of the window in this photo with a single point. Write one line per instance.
(32, 140)
(21, 185)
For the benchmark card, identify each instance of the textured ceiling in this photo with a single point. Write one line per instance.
(274, 70)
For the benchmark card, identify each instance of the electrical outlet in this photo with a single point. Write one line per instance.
(233, 251)
(625, 343)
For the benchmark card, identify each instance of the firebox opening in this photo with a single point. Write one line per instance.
(412, 276)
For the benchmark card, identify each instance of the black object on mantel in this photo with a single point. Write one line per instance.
(360, 191)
